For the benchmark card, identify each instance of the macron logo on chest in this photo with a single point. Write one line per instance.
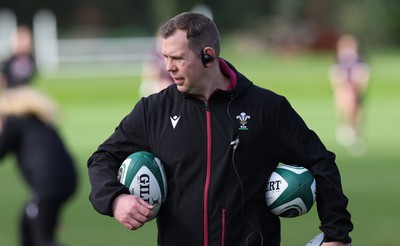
(174, 120)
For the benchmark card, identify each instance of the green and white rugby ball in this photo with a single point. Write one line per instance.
(290, 191)
(143, 174)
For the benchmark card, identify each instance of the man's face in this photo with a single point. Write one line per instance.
(183, 64)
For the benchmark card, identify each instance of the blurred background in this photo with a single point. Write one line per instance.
(90, 56)
(69, 32)
(322, 20)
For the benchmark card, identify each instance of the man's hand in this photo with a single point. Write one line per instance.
(131, 211)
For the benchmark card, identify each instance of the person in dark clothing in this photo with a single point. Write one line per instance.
(28, 130)
(219, 137)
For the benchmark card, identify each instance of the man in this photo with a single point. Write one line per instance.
(219, 137)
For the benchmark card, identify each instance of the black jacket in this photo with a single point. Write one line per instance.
(216, 192)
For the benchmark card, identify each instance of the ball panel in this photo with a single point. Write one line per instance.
(146, 186)
(122, 171)
(275, 187)
(162, 176)
(311, 193)
(291, 208)
(292, 169)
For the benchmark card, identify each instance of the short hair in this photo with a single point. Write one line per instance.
(201, 31)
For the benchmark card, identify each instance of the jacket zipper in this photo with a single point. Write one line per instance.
(208, 174)
(223, 227)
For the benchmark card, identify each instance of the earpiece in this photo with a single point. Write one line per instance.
(206, 58)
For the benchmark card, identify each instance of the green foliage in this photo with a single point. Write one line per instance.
(91, 108)
(375, 22)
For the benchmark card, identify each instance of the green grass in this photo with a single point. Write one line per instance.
(91, 108)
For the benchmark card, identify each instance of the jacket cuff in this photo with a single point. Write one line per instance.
(346, 239)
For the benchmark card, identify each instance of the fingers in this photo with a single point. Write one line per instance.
(145, 204)
(133, 225)
(131, 211)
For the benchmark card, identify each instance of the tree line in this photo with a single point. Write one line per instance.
(376, 22)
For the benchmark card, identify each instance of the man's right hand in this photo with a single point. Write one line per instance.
(131, 211)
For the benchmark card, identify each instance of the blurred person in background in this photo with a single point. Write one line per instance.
(219, 137)
(349, 77)
(154, 76)
(28, 130)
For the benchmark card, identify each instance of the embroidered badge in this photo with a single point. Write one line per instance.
(243, 117)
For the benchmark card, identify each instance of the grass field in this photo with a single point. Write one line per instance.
(91, 108)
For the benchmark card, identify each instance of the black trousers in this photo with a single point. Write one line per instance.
(39, 221)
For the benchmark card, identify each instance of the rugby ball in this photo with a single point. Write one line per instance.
(290, 191)
(143, 174)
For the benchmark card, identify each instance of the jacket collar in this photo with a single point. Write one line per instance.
(226, 70)
(239, 83)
